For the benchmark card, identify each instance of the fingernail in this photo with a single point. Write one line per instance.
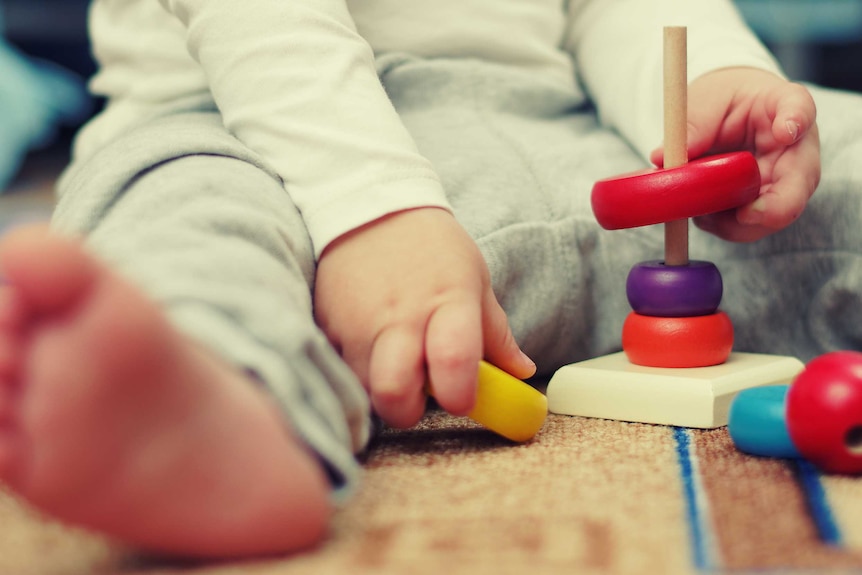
(527, 360)
(753, 214)
(792, 129)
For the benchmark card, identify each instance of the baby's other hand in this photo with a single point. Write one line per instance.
(407, 300)
(749, 109)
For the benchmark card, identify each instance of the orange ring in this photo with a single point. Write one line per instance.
(677, 341)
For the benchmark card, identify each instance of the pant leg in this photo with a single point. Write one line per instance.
(518, 160)
(201, 225)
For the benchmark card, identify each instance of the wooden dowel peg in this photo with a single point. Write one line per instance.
(675, 131)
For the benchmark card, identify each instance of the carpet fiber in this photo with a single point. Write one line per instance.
(585, 496)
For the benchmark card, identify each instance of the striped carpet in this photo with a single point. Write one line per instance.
(586, 496)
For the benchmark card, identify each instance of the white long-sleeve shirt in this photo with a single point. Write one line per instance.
(295, 80)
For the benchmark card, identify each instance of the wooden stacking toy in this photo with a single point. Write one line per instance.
(675, 320)
(677, 366)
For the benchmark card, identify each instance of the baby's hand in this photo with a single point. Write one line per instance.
(407, 300)
(749, 109)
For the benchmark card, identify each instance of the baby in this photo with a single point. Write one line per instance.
(293, 214)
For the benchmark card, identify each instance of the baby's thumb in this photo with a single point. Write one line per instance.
(697, 145)
(501, 349)
(701, 138)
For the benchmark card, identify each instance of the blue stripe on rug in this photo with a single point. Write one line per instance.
(695, 503)
(818, 503)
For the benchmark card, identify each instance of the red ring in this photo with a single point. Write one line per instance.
(696, 341)
(700, 187)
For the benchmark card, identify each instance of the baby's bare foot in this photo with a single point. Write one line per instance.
(110, 419)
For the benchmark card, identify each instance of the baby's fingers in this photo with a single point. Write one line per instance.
(767, 214)
(790, 177)
(793, 112)
(501, 349)
(396, 374)
(453, 349)
(791, 181)
(779, 205)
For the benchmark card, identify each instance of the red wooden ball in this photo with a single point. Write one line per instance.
(697, 341)
(824, 412)
(700, 187)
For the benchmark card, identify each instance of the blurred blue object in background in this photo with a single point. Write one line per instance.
(820, 21)
(794, 29)
(36, 98)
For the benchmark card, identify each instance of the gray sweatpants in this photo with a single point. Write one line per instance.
(205, 228)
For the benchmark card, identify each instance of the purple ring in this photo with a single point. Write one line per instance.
(656, 289)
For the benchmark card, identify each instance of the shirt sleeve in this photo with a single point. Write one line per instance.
(294, 81)
(617, 46)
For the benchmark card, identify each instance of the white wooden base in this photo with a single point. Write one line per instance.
(610, 387)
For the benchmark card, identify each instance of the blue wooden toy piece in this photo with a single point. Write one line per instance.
(758, 424)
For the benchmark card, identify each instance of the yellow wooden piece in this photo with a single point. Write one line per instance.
(508, 406)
